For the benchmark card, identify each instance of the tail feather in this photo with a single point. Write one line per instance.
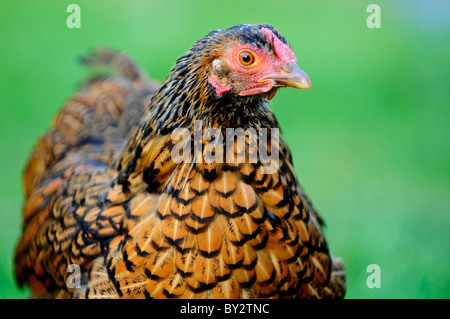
(337, 287)
(117, 61)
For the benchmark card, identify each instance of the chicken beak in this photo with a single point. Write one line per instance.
(290, 75)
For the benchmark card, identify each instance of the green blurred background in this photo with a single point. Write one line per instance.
(370, 142)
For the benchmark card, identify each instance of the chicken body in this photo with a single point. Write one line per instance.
(105, 195)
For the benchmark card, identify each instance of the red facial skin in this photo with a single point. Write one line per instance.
(248, 80)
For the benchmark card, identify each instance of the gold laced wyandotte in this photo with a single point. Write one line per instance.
(105, 194)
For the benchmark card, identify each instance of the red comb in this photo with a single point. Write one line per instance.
(281, 49)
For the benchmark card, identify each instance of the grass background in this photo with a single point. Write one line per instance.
(370, 142)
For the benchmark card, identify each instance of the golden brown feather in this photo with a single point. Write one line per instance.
(104, 192)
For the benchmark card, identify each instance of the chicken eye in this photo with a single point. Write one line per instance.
(246, 58)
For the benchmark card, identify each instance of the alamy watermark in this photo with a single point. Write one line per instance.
(73, 21)
(74, 279)
(374, 279)
(374, 19)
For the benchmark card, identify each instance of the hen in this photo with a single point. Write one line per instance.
(169, 191)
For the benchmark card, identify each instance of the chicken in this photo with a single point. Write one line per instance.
(149, 190)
